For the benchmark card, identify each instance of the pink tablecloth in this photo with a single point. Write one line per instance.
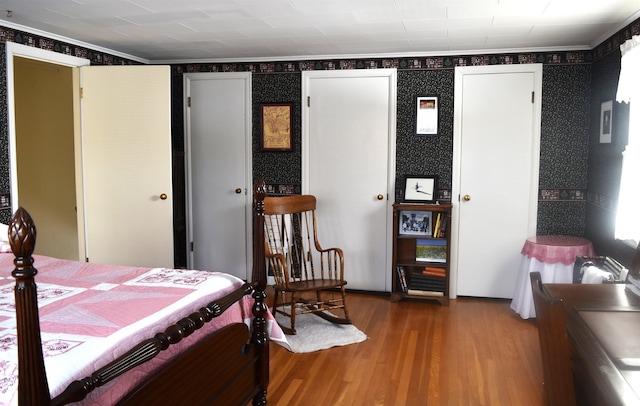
(551, 255)
(557, 248)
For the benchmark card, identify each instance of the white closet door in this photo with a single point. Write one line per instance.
(219, 171)
(126, 163)
(496, 155)
(348, 155)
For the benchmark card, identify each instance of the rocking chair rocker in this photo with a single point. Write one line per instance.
(308, 278)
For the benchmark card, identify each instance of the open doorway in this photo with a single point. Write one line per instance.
(45, 153)
(41, 138)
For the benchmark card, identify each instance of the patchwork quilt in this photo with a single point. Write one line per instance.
(91, 313)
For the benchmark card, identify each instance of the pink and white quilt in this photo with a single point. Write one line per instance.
(90, 314)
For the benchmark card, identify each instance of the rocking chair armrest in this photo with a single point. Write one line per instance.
(339, 253)
(336, 249)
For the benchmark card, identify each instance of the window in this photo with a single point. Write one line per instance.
(627, 216)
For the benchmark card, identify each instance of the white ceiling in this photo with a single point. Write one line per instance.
(255, 30)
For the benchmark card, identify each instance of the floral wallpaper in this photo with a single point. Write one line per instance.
(5, 185)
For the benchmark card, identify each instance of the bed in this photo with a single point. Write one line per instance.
(190, 337)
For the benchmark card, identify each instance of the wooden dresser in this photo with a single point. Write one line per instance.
(603, 326)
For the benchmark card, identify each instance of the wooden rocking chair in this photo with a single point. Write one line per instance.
(308, 278)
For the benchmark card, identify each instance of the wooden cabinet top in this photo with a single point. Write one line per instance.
(602, 322)
(422, 206)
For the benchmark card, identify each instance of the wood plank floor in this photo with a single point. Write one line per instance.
(472, 352)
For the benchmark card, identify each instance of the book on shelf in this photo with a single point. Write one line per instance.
(427, 286)
(430, 283)
(440, 289)
(429, 293)
(402, 278)
(417, 277)
(440, 227)
(434, 271)
(431, 250)
(434, 274)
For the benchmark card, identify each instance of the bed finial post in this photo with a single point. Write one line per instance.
(259, 337)
(259, 263)
(33, 388)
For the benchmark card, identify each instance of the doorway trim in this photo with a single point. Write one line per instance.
(24, 51)
(536, 69)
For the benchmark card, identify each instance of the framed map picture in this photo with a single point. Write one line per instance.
(276, 127)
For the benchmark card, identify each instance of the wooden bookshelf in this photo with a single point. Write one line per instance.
(421, 252)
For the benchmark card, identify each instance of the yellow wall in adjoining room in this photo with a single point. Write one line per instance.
(45, 153)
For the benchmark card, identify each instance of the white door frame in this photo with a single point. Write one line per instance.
(536, 69)
(248, 154)
(13, 49)
(391, 159)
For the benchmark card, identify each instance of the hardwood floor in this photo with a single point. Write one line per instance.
(473, 352)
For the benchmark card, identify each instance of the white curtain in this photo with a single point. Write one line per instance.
(628, 215)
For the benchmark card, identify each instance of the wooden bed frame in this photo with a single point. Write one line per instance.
(230, 367)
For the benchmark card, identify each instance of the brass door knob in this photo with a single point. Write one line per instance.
(163, 196)
(380, 197)
(467, 198)
(238, 190)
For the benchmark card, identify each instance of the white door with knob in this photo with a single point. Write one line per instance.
(126, 165)
(348, 155)
(495, 175)
(218, 148)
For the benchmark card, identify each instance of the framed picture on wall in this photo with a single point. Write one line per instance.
(276, 127)
(420, 189)
(426, 109)
(606, 115)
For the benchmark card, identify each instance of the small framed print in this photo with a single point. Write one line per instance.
(431, 250)
(420, 189)
(276, 127)
(415, 222)
(606, 115)
(427, 115)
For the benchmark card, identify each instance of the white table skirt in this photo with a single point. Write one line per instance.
(522, 301)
